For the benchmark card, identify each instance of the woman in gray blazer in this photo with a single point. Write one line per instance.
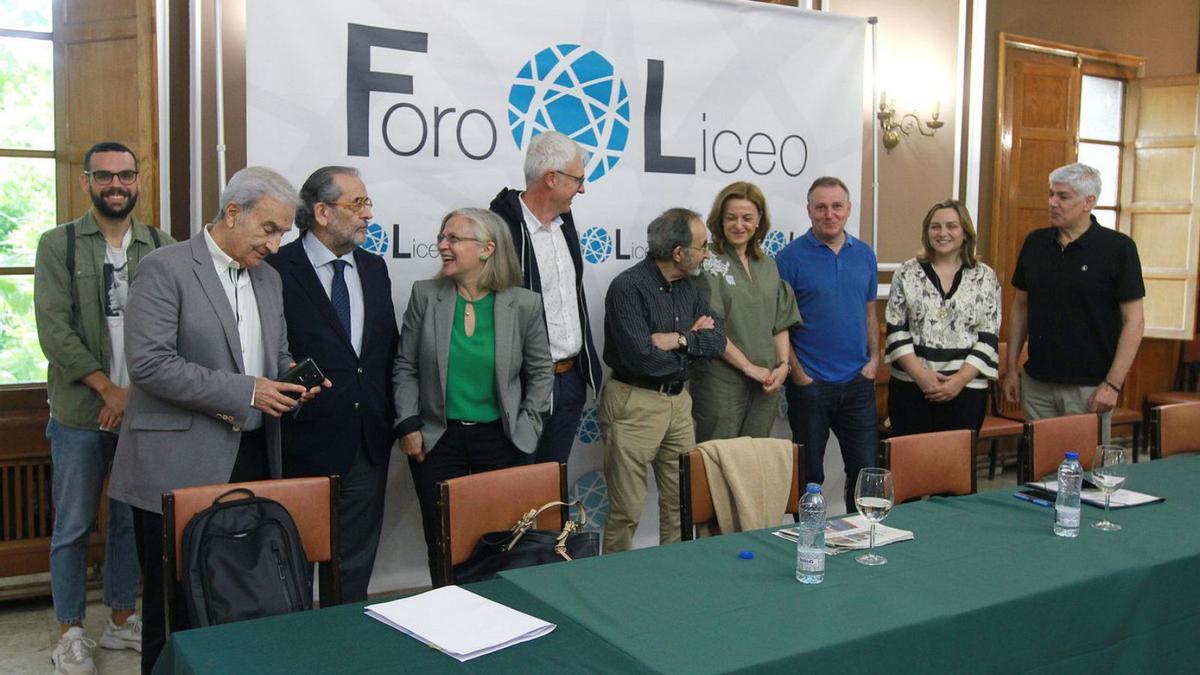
(473, 372)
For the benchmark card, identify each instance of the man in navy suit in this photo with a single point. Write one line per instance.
(338, 304)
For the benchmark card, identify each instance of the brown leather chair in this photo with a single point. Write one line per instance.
(471, 506)
(1176, 429)
(312, 503)
(1046, 441)
(695, 499)
(996, 427)
(1187, 381)
(936, 463)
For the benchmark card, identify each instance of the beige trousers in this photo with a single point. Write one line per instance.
(642, 427)
(1046, 399)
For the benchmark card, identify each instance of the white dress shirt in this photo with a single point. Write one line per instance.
(240, 293)
(558, 284)
(322, 259)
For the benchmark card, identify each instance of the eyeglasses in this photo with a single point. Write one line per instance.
(703, 248)
(453, 239)
(102, 177)
(355, 206)
(578, 179)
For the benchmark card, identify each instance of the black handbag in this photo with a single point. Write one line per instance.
(523, 546)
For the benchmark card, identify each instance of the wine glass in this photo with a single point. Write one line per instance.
(1109, 470)
(874, 495)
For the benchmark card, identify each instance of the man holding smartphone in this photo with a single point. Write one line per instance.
(337, 299)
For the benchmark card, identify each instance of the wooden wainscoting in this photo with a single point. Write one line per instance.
(26, 513)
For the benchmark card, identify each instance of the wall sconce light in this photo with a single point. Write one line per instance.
(906, 124)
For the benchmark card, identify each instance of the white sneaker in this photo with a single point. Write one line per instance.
(126, 636)
(73, 655)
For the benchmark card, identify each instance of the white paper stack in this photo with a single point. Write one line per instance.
(459, 622)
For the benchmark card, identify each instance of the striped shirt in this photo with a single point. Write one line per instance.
(944, 329)
(640, 301)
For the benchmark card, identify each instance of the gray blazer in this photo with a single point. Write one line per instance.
(188, 396)
(524, 371)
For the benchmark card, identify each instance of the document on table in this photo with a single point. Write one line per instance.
(458, 622)
(852, 533)
(1120, 499)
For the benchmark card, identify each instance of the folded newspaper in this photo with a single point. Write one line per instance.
(852, 533)
(1120, 499)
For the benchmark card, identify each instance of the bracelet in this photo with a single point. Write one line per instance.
(1114, 387)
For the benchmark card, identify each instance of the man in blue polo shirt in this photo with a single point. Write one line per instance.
(836, 352)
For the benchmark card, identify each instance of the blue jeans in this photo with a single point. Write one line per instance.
(81, 459)
(846, 408)
(560, 427)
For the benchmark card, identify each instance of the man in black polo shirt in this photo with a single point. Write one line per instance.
(1079, 301)
(656, 322)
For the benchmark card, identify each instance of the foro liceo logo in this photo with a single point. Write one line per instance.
(574, 91)
(774, 243)
(589, 426)
(377, 239)
(596, 244)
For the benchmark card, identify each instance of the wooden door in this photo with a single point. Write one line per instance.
(1161, 187)
(105, 90)
(1037, 126)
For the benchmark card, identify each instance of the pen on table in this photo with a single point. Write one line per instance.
(1030, 498)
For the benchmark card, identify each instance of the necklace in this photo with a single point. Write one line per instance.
(468, 308)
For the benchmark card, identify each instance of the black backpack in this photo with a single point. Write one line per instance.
(243, 559)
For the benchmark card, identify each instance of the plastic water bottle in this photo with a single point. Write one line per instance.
(1066, 504)
(810, 547)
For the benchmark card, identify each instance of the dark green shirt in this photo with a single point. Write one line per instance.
(471, 370)
(70, 314)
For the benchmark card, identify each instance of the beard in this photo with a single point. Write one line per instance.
(109, 212)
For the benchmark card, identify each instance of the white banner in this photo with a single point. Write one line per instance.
(434, 102)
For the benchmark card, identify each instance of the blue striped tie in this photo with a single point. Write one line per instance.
(340, 295)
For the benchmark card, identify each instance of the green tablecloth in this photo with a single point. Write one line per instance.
(985, 586)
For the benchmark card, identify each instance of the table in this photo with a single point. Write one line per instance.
(985, 586)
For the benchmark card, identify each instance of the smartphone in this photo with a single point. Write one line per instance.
(306, 373)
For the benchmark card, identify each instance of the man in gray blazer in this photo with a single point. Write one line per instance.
(205, 340)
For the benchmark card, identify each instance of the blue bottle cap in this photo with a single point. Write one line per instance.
(746, 555)
(813, 489)
(1071, 454)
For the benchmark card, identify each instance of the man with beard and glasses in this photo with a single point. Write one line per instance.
(81, 281)
(656, 324)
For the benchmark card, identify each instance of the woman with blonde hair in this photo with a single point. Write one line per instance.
(738, 394)
(943, 317)
(473, 371)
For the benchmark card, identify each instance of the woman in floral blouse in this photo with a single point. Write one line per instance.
(738, 394)
(943, 316)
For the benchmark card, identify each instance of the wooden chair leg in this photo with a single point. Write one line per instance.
(992, 458)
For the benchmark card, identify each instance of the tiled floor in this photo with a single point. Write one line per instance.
(28, 634)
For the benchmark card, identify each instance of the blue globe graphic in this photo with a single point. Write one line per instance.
(783, 407)
(589, 427)
(592, 492)
(575, 91)
(597, 245)
(377, 239)
(774, 243)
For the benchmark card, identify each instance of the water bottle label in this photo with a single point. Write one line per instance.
(811, 561)
(1067, 516)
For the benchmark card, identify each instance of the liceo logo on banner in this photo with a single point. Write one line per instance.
(574, 91)
(773, 243)
(377, 239)
(589, 426)
(596, 245)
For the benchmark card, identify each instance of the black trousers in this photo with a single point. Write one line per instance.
(360, 518)
(251, 464)
(463, 450)
(911, 413)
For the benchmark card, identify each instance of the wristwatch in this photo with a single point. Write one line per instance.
(682, 341)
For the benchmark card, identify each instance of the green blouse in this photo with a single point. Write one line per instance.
(471, 370)
(755, 306)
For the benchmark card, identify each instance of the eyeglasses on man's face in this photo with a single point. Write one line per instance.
(578, 179)
(356, 205)
(102, 177)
